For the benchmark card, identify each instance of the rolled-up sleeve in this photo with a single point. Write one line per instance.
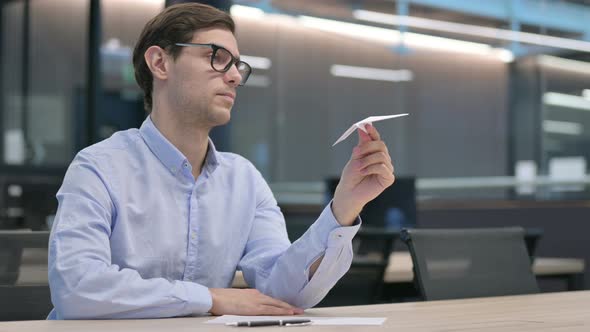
(84, 283)
(280, 269)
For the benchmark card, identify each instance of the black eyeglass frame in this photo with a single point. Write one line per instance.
(234, 60)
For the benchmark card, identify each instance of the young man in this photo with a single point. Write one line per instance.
(154, 222)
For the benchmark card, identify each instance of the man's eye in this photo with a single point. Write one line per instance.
(219, 58)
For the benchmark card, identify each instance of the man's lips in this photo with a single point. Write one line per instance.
(228, 95)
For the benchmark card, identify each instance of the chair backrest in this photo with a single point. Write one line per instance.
(22, 301)
(532, 236)
(24, 239)
(363, 282)
(463, 263)
(31, 302)
(12, 243)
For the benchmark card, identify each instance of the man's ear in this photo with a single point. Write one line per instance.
(157, 61)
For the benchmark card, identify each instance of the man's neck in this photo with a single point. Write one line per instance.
(192, 142)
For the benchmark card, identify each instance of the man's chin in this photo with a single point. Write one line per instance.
(220, 116)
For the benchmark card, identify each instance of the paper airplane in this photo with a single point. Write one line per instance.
(361, 125)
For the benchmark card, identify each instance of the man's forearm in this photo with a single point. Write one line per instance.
(108, 293)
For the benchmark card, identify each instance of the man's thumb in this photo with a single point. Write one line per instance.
(363, 137)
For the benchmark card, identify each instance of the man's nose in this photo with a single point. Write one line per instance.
(233, 76)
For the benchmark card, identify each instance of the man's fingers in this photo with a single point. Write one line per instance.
(270, 301)
(363, 137)
(364, 149)
(380, 170)
(375, 158)
(274, 311)
(248, 302)
(272, 306)
(373, 133)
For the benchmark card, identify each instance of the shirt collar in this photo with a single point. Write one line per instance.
(168, 154)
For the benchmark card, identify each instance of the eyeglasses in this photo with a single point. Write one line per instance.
(222, 60)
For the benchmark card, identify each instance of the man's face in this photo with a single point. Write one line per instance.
(203, 95)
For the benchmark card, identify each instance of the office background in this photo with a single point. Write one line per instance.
(498, 132)
(476, 109)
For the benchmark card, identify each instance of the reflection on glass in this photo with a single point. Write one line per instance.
(121, 100)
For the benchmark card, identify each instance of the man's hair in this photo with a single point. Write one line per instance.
(176, 24)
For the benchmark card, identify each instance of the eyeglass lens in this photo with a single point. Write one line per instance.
(222, 61)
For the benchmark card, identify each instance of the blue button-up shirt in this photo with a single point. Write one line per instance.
(137, 236)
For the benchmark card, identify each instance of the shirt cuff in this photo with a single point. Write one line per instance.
(331, 232)
(198, 297)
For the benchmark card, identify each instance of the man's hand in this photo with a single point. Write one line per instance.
(368, 172)
(248, 302)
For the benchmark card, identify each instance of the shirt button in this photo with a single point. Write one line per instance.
(185, 165)
(193, 235)
(173, 169)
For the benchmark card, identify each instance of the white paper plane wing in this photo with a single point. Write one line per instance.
(361, 125)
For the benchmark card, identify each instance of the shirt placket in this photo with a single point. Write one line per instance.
(193, 229)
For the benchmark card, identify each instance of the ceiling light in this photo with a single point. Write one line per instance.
(455, 45)
(562, 127)
(350, 29)
(564, 64)
(387, 36)
(368, 73)
(567, 101)
(256, 62)
(393, 37)
(473, 30)
(258, 81)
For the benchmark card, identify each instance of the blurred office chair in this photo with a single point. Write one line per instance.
(464, 263)
(12, 243)
(363, 282)
(532, 236)
(24, 302)
(21, 301)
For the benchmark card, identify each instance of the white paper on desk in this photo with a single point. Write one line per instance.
(314, 320)
(361, 125)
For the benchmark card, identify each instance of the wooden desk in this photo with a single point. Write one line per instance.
(565, 311)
